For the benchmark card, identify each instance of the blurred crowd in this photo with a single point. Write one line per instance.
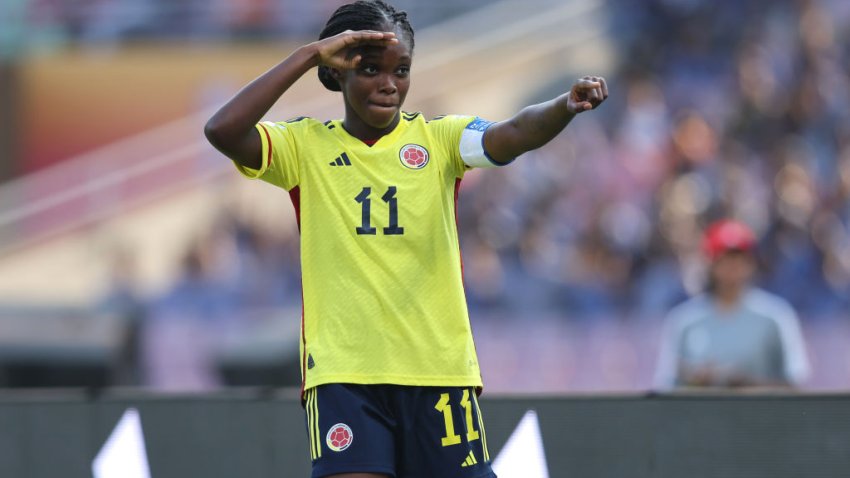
(120, 20)
(718, 109)
(109, 21)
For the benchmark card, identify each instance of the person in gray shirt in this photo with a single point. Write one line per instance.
(734, 334)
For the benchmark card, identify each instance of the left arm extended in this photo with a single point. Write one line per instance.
(536, 125)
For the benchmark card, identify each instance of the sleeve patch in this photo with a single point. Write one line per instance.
(472, 149)
(479, 124)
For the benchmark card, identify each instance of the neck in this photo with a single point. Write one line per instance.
(728, 297)
(365, 132)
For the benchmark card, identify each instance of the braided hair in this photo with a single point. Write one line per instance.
(362, 15)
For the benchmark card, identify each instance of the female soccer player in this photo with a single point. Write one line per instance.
(389, 367)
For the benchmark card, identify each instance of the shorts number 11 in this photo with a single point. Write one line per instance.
(443, 406)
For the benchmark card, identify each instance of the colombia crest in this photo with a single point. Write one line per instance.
(339, 437)
(413, 156)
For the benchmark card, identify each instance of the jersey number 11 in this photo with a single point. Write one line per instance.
(366, 213)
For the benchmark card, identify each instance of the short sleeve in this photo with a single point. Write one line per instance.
(667, 366)
(472, 149)
(463, 136)
(795, 360)
(280, 165)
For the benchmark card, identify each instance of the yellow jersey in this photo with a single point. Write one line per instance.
(383, 297)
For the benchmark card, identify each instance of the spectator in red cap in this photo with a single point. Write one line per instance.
(734, 334)
(728, 235)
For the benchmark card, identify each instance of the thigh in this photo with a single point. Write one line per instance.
(358, 475)
(442, 434)
(349, 431)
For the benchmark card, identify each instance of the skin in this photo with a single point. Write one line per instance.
(375, 89)
(373, 70)
(731, 274)
(536, 125)
(231, 129)
(359, 475)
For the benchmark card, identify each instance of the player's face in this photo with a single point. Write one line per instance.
(733, 270)
(376, 89)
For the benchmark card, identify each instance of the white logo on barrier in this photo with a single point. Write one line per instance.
(123, 455)
(523, 453)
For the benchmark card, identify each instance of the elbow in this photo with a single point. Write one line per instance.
(232, 143)
(213, 133)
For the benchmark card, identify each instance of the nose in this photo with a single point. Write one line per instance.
(387, 85)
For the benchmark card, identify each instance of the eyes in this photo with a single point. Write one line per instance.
(372, 69)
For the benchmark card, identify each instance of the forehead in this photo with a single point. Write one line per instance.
(403, 38)
(392, 53)
(733, 255)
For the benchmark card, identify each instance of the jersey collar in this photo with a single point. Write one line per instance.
(382, 142)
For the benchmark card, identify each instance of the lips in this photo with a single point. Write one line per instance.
(380, 104)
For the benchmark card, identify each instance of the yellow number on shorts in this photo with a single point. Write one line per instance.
(443, 406)
(471, 435)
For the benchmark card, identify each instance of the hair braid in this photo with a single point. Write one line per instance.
(362, 15)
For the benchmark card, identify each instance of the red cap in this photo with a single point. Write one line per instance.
(727, 235)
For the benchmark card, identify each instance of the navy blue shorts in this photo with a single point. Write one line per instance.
(399, 431)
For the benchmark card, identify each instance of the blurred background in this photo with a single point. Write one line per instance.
(132, 254)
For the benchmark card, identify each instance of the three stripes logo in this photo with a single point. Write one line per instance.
(470, 460)
(341, 160)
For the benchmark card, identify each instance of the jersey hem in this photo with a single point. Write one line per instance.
(247, 172)
(395, 380)
(265, 152)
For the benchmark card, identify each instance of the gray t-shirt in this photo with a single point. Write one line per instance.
(760, 340)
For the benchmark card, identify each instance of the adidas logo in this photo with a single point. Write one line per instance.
(341, 160)
(470, 460)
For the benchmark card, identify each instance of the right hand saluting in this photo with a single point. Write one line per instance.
(337, 51)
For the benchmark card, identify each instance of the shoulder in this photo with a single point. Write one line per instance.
(301, 121)
(689, 312)
(450, 128)
(442, 121)
(771, 306)
(301, 124)
(761, 300)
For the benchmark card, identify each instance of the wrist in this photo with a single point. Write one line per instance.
(566, 105)
(309, 54)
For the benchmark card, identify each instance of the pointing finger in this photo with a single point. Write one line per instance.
(604, 87)
(599, 92)
(585, 84)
